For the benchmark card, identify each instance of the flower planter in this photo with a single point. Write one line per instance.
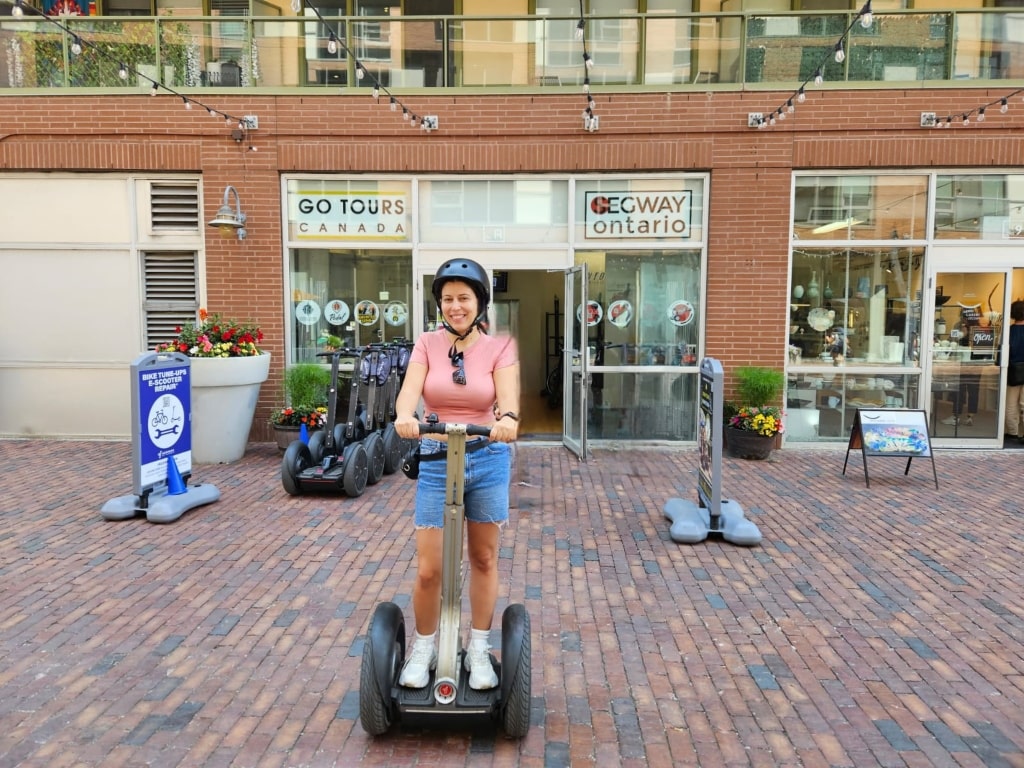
(285, 436)
(224, 395)
(745, 444)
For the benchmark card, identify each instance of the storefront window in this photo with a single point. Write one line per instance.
(855, 305)
(644, 307)
(973, 207)
(494, 211)
(859, 207)
(348, 298)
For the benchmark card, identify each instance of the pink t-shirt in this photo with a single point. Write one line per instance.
(474, 402)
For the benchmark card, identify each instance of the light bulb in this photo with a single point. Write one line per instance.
(211, 112)
(580, 26)
(405, 113)
(376, 92)
(818, 79)
(591, 104)
(866, 16)
(122, 71)
(186, 102)
(771, 121)
(17, 10)
(801, 97)
(587, 61)
(782, 114)
(296, 5)
(394, 104)
(840, 53)
(586, 85)
(154, 89)
(981, 115)
(1003, 106)
(332, 44)
(789, 107)
(76, 45)
(967, 120)
(360, 72)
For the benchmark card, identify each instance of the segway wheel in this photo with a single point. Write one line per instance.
(374, 445)
(392, 450)
(296, 459)
(515, 671)
(316, 445)
(353, 476)
(383, 656)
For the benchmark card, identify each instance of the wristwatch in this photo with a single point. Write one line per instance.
(511, 414)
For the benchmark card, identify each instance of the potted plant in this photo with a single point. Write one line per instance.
(226, 371)
(753, 422)
(305, 389)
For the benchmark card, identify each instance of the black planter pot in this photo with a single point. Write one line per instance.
(744, 444)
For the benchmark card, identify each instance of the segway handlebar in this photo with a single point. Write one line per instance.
(443, 428)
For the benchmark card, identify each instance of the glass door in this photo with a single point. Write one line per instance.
(575, 376)
(970, 305)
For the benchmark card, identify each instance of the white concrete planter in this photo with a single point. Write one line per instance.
(224, 395)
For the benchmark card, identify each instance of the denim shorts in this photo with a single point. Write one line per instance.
(488, 472)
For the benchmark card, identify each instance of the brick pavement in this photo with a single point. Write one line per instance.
(879, 626)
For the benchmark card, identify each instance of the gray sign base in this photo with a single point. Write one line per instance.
(162, 507)
(692, 524)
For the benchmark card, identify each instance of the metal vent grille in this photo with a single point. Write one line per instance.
(171, 293)
(174, 206)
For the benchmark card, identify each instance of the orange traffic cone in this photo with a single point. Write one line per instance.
(175, 485)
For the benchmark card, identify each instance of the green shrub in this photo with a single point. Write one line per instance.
(756, 386)
(305, 385)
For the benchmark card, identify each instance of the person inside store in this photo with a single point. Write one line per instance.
(835, 344)
(1015, 374)
(976, 332)
(464, 376)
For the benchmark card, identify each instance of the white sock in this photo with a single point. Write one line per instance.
(428, 639)
(480, 637)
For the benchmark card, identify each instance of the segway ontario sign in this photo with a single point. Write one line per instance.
(640, 215)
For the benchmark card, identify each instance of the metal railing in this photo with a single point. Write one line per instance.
(655, 52)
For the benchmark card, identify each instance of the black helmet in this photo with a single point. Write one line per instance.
(469, 272)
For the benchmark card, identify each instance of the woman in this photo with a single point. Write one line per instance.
(464, 376)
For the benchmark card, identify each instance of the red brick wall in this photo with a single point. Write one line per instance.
(750, 168)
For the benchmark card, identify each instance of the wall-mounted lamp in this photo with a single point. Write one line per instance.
(230, 221)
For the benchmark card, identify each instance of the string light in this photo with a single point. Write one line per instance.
(837, 52)
(336, 43)
(1003, 103)
(78, 44)
(591, 123)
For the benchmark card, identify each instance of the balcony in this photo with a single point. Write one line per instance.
(644, 51)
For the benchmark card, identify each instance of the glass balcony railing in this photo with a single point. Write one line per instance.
(525, 52)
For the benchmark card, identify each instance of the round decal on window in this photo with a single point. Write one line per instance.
(307, 312)
(336, 312)
(367, 313)
(395, 313)
(620, 313)
(681, 312)
(594, 313)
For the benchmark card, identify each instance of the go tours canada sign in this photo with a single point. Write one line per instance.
(637, 215)
(370, 215)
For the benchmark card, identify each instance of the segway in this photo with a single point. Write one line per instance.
(447, 697)
(335, 458)
(384, 454)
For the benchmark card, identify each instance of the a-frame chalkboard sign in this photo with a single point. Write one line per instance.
(891, 432)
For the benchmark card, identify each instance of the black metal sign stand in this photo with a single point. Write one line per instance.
(891, 432)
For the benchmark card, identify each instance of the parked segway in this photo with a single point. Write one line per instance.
(447, 696)
(374, 371)
(335, 458)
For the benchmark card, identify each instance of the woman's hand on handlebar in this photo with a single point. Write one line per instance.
(407, 427)
(505, 430)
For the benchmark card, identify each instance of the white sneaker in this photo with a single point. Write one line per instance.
(422, 659)
(482, 676)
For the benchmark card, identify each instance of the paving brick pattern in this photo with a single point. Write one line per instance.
(874, 626)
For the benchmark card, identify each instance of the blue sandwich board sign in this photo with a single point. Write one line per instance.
(161, 416)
